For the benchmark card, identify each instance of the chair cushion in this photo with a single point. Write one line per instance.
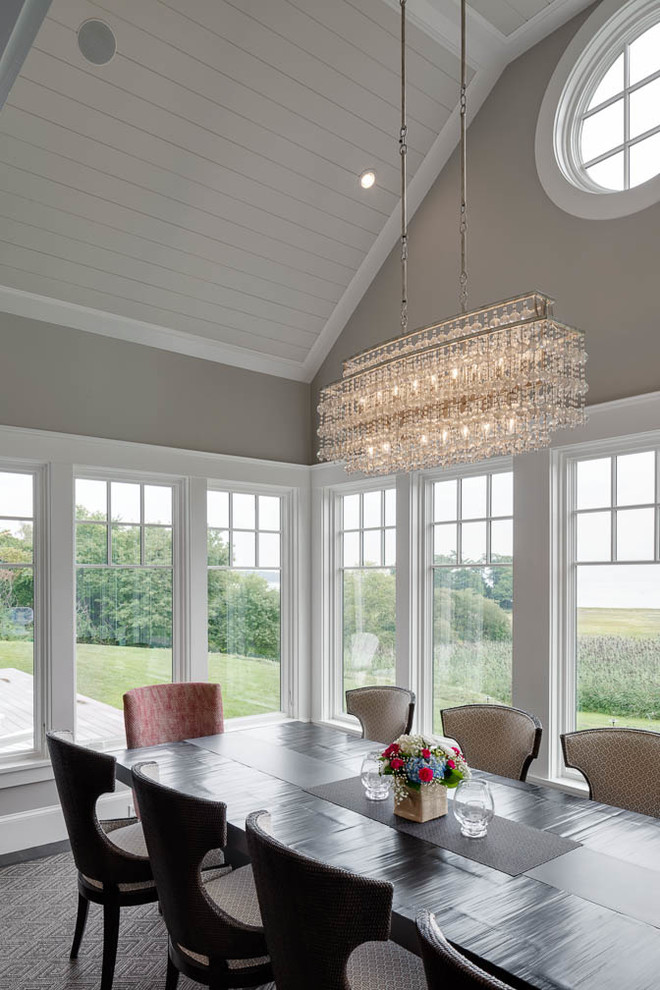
(129, 839)
(236, 895)
(384, 966)
(124, 887)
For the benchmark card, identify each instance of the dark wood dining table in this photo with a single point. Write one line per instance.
(587, 920)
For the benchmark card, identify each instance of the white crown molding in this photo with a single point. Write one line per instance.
(76, 317)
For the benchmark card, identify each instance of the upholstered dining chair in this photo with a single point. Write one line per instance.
(162, 713)
(445, 966)
(495, 738)
(601, 754)
(110, 856)
(384, 712)
(215, 932)
(325, 928)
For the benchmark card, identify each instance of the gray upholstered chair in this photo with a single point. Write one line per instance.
(215, 933)
(110, 856)
(326, 929)
(495, 738)
(445, 966)
(384, 712)
(621, 766)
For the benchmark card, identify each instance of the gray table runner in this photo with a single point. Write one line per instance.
(509, 846)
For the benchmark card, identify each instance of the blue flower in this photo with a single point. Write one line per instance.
(437, 764)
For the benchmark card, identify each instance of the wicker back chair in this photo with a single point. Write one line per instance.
(445, 966)
(325, 928)
(162, 713)
(599, 755)
(111, 856)
(385, 713)
(214, 925)
(495, 738)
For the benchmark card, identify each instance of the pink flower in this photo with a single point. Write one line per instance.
(426, 753)
(451, 764)
(456, 750)
(425, 775)
(391, 750)
(396, 763)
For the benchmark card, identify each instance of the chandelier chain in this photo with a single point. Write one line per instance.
(403, 151)
(463, 226)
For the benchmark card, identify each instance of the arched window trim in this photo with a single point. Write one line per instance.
(593, 50)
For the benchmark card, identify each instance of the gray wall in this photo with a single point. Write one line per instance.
(603, 274)
(68, 381)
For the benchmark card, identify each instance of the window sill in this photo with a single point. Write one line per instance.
(256, 721)
(29, 770)
(566, 784)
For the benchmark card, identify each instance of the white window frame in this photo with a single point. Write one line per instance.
(558, 159)
(41, 657)
(497, 465)
(565, 584)
(333, 596)
(59, 458)
(180, 576)
(287, 596)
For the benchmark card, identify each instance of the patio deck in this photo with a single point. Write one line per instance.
(95, 721)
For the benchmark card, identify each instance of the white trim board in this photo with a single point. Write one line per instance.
(40, 826)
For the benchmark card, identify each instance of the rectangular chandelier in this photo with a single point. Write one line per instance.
(498, 380)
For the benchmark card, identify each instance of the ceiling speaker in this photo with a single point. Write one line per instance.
(97, 42)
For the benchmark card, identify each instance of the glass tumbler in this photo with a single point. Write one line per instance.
(474, 808)
(376, 786)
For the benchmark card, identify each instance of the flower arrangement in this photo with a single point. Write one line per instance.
(418, 762)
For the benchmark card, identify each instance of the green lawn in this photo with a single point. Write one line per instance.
(634, 622)
(249, 686)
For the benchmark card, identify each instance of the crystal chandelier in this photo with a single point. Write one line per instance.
(497, 380)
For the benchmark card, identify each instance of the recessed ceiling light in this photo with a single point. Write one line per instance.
(367, 179)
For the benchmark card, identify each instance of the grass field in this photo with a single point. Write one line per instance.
(635, 622)
(249, 686)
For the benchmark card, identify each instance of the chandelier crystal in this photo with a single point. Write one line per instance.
(497, 380)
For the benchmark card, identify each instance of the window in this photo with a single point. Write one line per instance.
(124, 598)
(598, 133)
(244, 599)
(616, 588)
(472, 590)
(17, 695)
(620, 126)
(367, 588)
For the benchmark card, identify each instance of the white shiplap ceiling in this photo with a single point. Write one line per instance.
(200, 191)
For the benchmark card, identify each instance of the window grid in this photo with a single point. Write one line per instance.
(625, 94)
(459, 521)
(613, 509)
(386, 559)
(110, 524)
(256, 531)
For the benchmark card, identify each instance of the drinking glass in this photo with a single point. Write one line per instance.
(474, 808)
(376, 786)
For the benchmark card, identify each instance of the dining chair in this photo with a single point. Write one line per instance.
(162, 713)
(446, 967)
(325, 928)
(215, 932)
(495, 738)
(621, 766)
(110, 856)
(385, 712)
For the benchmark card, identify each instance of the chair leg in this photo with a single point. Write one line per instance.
(172, 975)
(110, 939)
(81, 921)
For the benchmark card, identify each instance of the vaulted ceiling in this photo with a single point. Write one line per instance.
(200, 192)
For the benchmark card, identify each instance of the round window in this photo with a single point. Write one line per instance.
(598, 136)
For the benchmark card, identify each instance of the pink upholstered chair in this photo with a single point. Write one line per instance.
(162, 713)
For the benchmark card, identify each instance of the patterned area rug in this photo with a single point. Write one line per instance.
(38, 902)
